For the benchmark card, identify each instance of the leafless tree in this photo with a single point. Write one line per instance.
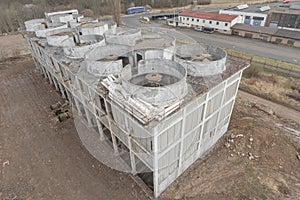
(115, 9)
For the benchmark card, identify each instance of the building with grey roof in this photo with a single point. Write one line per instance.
(268, 34)
(285, 16)
(255, 15)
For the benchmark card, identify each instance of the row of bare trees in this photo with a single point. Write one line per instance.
(15, 12)
(12, 17)
(115, 10)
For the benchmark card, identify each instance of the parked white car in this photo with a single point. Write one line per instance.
(199, 29)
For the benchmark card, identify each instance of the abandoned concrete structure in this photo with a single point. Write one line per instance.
(163, 101)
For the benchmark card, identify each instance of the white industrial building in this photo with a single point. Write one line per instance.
(285, 17)
(218, 22)
(255, 15)
(156, 104)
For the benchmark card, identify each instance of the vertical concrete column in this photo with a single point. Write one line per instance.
(155, 163)
(96, 105)
(77, 105)
(100, 128)
(43, 70)
(132, 158)
(222, 104)
(61, 88)
(113, 137)
(55, 84)
(237, 89)
(183, 122)
(49, 77)
(88, 115)
(69, 95)
(202, 127)
(52, 78)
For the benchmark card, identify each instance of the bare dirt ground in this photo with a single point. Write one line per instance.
(279, 110)
(44, 159)
(12, 45)
(40, 158)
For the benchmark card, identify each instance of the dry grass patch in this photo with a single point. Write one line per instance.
(266, 61)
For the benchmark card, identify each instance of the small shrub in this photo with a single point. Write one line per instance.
(88, 13)
(269, 78)
(2, 55)
(16, 53)
(253, 71)
(294, 95)
(204, 2)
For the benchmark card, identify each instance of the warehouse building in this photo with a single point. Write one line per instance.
(255, 32)
(155, 104)
(255, 15)
(287, 37)
(285, 17)
(274, 35)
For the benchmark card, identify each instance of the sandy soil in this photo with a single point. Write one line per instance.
(40, 158)
(12, 45)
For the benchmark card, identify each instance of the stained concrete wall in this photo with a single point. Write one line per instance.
(122, 36)
(164, 93)
(73, 50)
(43, 32)
(93, 29)
(35, 24)
(187, 56)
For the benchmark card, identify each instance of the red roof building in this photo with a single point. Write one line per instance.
(207, 20)
(208, 15)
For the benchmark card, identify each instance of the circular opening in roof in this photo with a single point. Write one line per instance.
(157, 73)
(154, 79)
(110, 57)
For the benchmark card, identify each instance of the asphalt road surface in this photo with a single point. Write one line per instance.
(251, 46)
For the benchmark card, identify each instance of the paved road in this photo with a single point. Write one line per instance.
(247, 45)
(232, 42)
